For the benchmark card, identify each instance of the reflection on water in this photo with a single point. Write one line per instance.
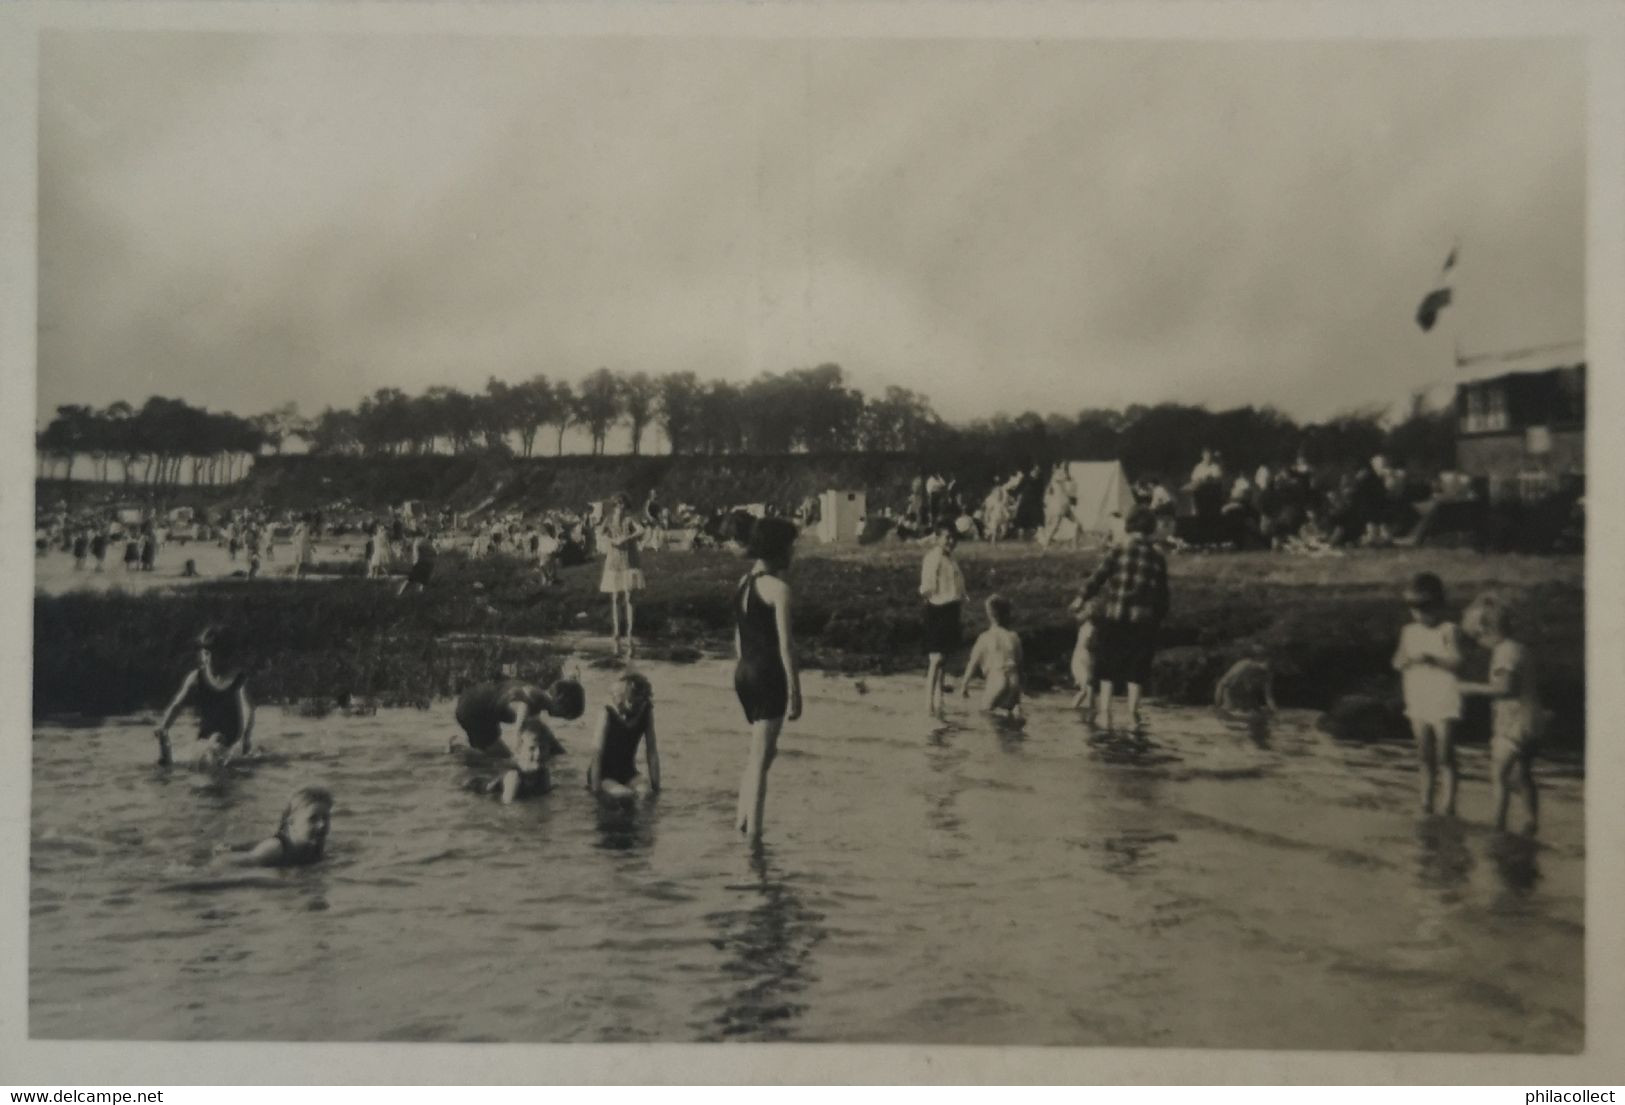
(961, 881)
(1515, 859)
(1443, 861)
(769, 948)
(626, 825)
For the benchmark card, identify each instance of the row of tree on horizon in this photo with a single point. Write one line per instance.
(811, 410)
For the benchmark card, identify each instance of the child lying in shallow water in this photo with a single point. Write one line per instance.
(300, 838)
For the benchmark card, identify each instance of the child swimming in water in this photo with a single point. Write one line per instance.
(528, 777)
(1516, 715)
(1083, 653)
(225, 714)
(997, 654)
(628, 720)
(301, 836)
(485, 711)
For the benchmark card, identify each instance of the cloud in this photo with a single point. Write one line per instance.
(246, 219)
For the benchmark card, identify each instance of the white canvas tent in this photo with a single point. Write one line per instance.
(1101, 499)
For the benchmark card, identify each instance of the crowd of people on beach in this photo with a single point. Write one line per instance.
(1118, 609)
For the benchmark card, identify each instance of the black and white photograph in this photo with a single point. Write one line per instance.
(601, 535)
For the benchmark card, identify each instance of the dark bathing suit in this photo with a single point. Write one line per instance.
(619, 761)
(759, 678)
(218, 710)
(483, 710)
(296, 855)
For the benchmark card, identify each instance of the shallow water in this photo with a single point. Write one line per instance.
(1203, 887)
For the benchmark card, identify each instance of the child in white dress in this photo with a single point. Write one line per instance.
(1428, 658)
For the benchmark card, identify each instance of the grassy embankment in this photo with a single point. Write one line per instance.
(1329, 624)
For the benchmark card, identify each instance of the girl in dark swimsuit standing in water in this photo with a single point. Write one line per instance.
(224, 713)
(766, 679)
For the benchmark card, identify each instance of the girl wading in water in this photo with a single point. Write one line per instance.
(766, 679)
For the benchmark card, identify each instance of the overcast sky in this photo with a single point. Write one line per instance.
(243, 220)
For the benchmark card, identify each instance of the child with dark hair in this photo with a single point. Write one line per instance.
(225, 714)
(628, 721)
(765, 678)
(942, 586)
(493, 715)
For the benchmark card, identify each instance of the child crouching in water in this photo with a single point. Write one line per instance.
(1248, 687)
(1428, 658)
(997, 654)
(301, 836)
(1516, 715)
(628, 720)
(1083, 654)
(493, 715)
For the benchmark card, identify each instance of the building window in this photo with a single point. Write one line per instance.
(1537, 441)
(1486, 410)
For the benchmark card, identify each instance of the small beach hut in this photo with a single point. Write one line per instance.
(840, 516)
(1102, 498)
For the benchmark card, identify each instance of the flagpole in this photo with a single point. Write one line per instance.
(1447, 279)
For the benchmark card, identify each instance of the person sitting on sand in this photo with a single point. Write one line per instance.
(1247, 688)
(1083, 653)
(485, 710)
(225, 713)
(1517, 718)
(997, 655)
(527, 776)
(628, 720)
(1428, 658)
(300, 838)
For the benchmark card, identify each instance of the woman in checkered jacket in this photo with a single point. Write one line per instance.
(1132, 583)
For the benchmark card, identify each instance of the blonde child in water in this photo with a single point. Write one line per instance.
(997, 655)
(300, 838)
(1428, 658)
(628, 720)
(1516, 716)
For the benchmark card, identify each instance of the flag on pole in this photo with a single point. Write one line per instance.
(1439, 298)
(1434, 302)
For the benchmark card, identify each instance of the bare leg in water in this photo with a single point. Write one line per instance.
(615, 619)
(764, 740)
